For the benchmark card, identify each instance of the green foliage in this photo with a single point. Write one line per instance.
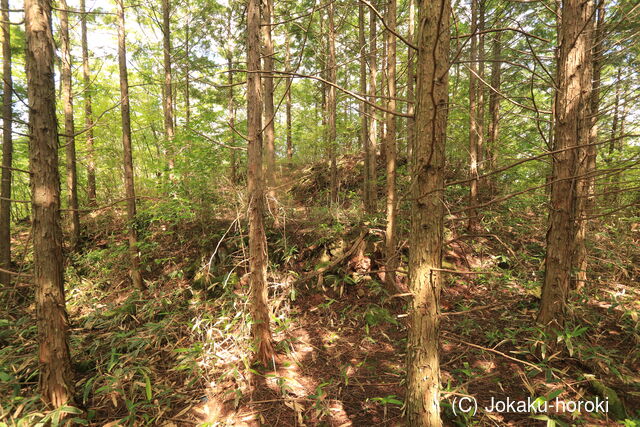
(375, 315)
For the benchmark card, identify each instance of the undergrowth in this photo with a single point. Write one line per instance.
(170, 354)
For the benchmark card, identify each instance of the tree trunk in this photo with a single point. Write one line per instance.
(373, 131)
(129, 183)
(287, 66)
(365, 109)
(168, 88)
(616, 114)
(69, 128)
(269, 110)
(615, 139)
(494, 109)
(187, 69)
(231, 107)
(411, 77)
(552, 124)
(572, 128)
(332, 104)
(615, 186)
(260, 329)
(231, 111)
(56, 377)
(474, 134)
(382, 129)
(7, 148)
(585, 184)
(427, 214)
(480, 93)
(88, 110)
(391, 150)
(322, 85)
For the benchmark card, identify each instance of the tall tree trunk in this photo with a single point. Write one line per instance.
(494, 108)
(129, 183)
(168, 87)
(88, 109)
(411, 77)
(474, 222)
(56, 377)
(187, 69)
(615, 138)
(373, 131)
(365, 109)
(7, 148)
(69, 128)
(585, 184)
(480, 93)
(382, 129)
(552, 119)
(287, 66)
(427, 214)
(260, 329)
(391, 149)
(231, 111)
(269, 110)
(620, 139)
(572, 128)
(322, 86)
(616, 114)
(332, 104)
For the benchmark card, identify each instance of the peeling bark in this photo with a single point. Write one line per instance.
(572, 129)
(56, 377)
(260, 329)
(427, 214)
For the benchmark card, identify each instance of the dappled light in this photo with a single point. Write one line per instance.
(319, 213)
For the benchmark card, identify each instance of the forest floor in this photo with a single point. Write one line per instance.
(179, 354)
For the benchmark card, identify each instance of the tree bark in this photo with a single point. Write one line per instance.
(365, 109)
(332, 104)
(494, 109)
(474, 131)
(614, 141)
(287, 66)
(69, 128)
(7, 148)
(187, 69)
(269, 110)
(373, 131)
(88, 110)
(480, 93)
(411, 77)
(391, 150)
(169, 130)
(427, 214)
(129, 182)
(260, 329)
(585, 185)
(572, 129)
(231, 111)
(321, 59)
(616, 114)
(56, 377)
(382, 128)
(231, 105)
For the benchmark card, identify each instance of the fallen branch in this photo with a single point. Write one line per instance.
(482, 307)
(446, 270)
(499, 353)
(333, 263)
(15, 273)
